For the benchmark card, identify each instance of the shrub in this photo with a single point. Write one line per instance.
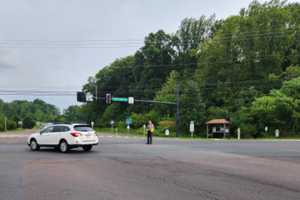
(11, 125)
(167, 124)
(248, 131)
(138, 120)
(1, 126)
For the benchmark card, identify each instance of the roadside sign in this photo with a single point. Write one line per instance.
(128, 121)
(167, 132)
(131, 100)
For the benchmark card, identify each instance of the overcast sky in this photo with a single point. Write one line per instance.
(61, 26)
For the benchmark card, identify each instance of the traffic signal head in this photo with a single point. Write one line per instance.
(108, 98)
(81, 97)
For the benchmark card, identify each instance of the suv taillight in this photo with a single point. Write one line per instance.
(75, 134)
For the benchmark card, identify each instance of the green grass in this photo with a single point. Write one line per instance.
(123, 132)
(18, 131)
(139, 132)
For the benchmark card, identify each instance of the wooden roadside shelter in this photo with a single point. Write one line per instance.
(217, 128)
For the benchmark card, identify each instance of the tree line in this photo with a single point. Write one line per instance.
(245, 68)
(25, 114)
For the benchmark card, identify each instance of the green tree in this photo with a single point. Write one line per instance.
(28, 123)
(292, 88)
(275, 110)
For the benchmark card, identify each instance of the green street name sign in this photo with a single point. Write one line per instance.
(119, 99)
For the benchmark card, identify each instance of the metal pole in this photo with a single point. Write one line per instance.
(153, 101)
(177, 110)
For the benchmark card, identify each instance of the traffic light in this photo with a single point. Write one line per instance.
(108, 98)
(81, 97)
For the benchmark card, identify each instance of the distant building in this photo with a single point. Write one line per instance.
(217, 128)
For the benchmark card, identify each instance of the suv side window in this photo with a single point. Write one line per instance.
(60, 129)
(56, 129)
(65, 129)
(47, 130)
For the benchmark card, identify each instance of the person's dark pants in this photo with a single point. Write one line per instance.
(149, 138)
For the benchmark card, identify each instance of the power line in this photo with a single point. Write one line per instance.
(227, 84)
(36, 95)
(123, 43)
(228, 35)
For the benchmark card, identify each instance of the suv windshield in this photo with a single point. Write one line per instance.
(83, 128)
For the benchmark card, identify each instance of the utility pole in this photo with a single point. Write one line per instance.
(177, 109)
(5, 123)
(96, 91)
(94, 82)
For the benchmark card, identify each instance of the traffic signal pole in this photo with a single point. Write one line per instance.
(81, 97)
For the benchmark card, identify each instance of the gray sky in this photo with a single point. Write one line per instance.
(78, 21)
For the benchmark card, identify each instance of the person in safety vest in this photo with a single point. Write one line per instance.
(150, 132)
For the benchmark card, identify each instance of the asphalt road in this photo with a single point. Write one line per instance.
(127, 169)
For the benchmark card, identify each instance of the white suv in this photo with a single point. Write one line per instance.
(64, 137)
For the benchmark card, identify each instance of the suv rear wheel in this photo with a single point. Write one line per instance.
(87, 147)
(63, 146)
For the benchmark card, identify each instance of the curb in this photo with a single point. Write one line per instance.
(119, 136)
(13, 136)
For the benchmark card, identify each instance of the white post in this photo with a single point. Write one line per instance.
(128, 128)
(277, 133)
(192, 128)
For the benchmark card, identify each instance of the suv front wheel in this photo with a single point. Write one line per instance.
(63, 146)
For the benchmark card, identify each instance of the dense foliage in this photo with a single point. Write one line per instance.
(27, 112)
(243, 68)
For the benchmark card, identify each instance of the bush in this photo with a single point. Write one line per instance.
(167, 124)
(138, 120)
(121, 125)
(153, 116)
(142, 119)
(248, 131)
(1, 126)
(11, 125)
(28, 123)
